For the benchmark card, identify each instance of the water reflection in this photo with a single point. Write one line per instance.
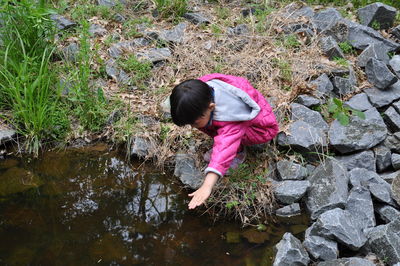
(92, 207)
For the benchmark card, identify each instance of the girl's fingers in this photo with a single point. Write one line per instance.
(191, 194)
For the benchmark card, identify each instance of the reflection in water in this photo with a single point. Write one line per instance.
(91, 207)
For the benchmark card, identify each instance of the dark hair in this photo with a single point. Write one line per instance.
(189, 100)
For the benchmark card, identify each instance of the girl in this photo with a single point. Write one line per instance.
(231, 111)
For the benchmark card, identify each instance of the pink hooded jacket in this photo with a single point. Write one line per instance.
(253, 124)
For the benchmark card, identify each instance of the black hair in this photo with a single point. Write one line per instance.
(189, 101)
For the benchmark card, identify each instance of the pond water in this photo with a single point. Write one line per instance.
(90, 206)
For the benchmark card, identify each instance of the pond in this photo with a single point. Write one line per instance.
(90, 206)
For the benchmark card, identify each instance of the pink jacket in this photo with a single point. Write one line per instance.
(258, 126)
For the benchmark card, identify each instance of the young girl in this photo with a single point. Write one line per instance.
(231, 111)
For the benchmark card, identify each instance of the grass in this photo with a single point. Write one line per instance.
(347, 48)
(171, 8)
(141, 71)
(341, 61)
(130, 29)
(285, 69)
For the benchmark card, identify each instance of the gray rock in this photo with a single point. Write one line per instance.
(117, 74)
(119, 18)
(359, 102)
(396, 106)
(375, 51)
(360, 134)
(392, 119)
(6, 135)
(300, 112)
(289, 210)
(395, 64)
(62, 23)
(330, 48)
(70, 52)
(324, 87)
(342, 86)
(328, 188)
(326, 19)
(155, 55)
(395, 189)
(117, 49)
(307, 101)
(387, 213)
(321, 248)
(393, 142)
(384, 241)
(379, 13)
(294, 10)
(289, 251)
(396, 161)
(174, 35)
(303, 137)
(289, 191)
(364, 159)
(353, 261)
(238, 30)
(383, 157)
(380, 98)
(187, 172)
(97, 30)
(339, 31)
(108, 3)
(302, 29)
(360, 206)
(196, 18)
(238, 45)
(291, 171)
(379, 74)
(141, 147)
(396, 32)
(389, 176)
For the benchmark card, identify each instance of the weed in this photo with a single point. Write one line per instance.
(130, 26)
(284, 69)
(346, 47)
(341, 61)
(141, 70)
(171, 8)
(290, 41)
(376, 25)
(223, 12)
(216, 29)
(342, 113)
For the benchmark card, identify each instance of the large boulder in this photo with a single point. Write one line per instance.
(360, 206)
(290, 191)
(300, 112)
(379, 74)
(187, 172)
(324, 86)
(364, 159)
(383, 157)
(141, 147)
(387, 213)
(331, 48)
(359, 102)
(380, 98)
(289, 210)
(375, 51)
(289, 170)
(328, 188)
(321, 248)
(377, 15)
(392, 119)
(289, 251)
(360, 134)
(326, 19)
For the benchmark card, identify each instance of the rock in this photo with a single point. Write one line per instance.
(390, 176)
(119, 18)
(324, 87)
(107, 3)
(303, 137)
(155, 55)
(342, 86)
(166, 108)
(295, 10)
(396, 32)
(374, 51)
(379, 74)
(396, 161)
(330, 48)
(97, 30)
(117, 74)
(71, 52)
(300, 112)
(301, 29)
(289, 251)
(238, 30)
(393, 142)
(321, 248)
(307, 101)
(174, 35)
(16, 180)
(248, 11)
(384, 241)
(289, 210)
(395, 64)
(360, 37)
(141, 147)
(6, 135)
(187, 172)
(326, 19)
(383, 157)
(359, 102)
(360, 206)
(291, 171)
(364, 159)
(62, 23)
(359, 134)
(392, 119)
(289, 191)
(339, 31)
(387, 213)
(353, 261)
(196, 18)
(328, 188)
(377, 13)
(380, 98)
(117, 49)
(238, 45)
(395, 189)
(396, 106)
(339, 225)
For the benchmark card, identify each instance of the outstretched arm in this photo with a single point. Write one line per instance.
(202, 194)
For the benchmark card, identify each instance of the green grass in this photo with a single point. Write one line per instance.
(129, 26)
(341, 61)
(171, 8)
(222, 12)
(84, 10)
(285, 69)
(141, 71)
(347, 48)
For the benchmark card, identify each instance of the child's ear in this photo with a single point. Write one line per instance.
(211, 106)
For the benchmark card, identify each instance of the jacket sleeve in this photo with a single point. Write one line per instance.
(226, 144)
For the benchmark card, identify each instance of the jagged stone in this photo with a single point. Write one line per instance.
(359, 102)
(141, 147)
(70, 52)
(238, 30)
(379, 74)
(396, 161)
(328, 188)
(110, 3)
(307, 100)
(291, 171)
(390, 176)
(303, 29)
(392, 119)
(375, 51)
(187, 172)
(289, 210)
(359, 134)
(380, 98)
(384, 241)
(196, 18)
(387, 213)
(321, 248)
(360, 206)
(377, 13)
(300, 112)
(353, 261)
(174, 35)
(331, 48)
(396, 32)
(383, 157)
(395, 189)
(395, 64)
(326, 19)
(117, 74)
(324, 86)
(119, 18)
(117, 49)
(342, 86)
(62, 23)
(290, 191)
(392, 141)
(294, 10)
(155, 55)
(289, 251)
(97, 30)
(248, 11)
(6, 135)
(364, 159)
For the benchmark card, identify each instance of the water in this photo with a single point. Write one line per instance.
(89, 206)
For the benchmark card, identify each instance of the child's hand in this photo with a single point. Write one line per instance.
(202, 194)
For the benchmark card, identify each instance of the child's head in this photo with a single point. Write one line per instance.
(191, 103)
